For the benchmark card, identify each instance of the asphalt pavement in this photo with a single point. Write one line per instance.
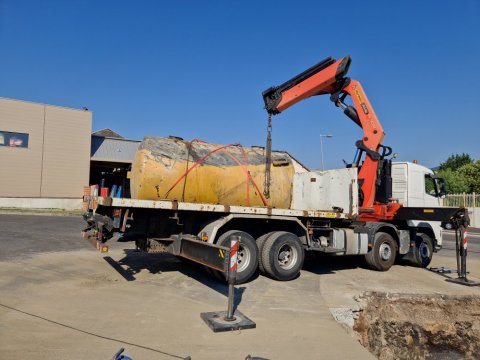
(473, 241)
(26, 235)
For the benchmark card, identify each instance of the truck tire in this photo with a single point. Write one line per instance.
(382, 256)
(282, 256)
(247, 255)
(260, 242)
(423, 250)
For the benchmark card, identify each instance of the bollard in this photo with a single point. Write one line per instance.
(229, 320)
(461, 245)
(463, 255)
(232, 276)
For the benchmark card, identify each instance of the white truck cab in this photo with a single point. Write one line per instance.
(414, 185)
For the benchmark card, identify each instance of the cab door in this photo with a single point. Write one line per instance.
(423, 188)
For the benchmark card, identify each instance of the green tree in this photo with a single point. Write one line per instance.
(455, 183)
(470, 174)
(456, 161)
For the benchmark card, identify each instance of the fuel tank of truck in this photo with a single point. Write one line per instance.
(200, 172)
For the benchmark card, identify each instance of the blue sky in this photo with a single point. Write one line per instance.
(196, 69)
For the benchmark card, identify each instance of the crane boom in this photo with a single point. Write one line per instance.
(329, 77)
(320, 79)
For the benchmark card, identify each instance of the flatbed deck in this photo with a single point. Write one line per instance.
(231, 209)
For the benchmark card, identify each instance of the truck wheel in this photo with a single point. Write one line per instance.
(247, 254)
(260, 242)
(423, 250)
(282, 256)
(382, 256)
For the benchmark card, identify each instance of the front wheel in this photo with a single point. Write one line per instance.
(282, 256)
(423, 250)
(382, 256)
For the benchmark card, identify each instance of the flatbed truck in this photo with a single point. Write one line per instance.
(275, 241)
(373, 207)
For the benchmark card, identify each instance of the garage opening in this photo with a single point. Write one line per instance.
(111, 159)
(112, 176)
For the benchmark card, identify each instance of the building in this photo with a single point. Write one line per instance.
(48, 154)
(44, 153)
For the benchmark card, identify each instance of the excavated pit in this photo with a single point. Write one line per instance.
(402, 326)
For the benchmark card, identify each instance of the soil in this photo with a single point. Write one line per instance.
(412, 326)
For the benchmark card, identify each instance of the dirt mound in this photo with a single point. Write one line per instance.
(403, 326)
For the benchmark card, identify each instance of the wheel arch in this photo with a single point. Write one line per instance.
(426, 228)
(376, 227)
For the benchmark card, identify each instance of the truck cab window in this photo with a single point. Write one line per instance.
(431, 187)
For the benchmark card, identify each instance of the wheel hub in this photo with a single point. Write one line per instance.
(385, 251)
(287, 256)
(283, 256)
(424, 251)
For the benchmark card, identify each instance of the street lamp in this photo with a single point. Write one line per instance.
(321, 146)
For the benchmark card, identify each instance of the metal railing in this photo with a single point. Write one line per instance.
(462, 200)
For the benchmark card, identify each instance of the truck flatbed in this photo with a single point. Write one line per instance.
(216, 208)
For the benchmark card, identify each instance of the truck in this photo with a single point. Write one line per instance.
(374, 207)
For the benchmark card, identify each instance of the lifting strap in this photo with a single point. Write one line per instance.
(268, 158)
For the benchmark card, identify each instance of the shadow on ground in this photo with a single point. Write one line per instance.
(136, 261)
(321, 264)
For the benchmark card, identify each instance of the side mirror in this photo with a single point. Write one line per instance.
(442, 192)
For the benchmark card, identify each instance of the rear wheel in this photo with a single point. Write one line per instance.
(282, 256)
(247, 256)
(260, 242)
(382, 256)
(423, 250)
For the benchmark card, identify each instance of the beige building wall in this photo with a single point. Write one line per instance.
(56, 163)
(21, 168)
(66, 152)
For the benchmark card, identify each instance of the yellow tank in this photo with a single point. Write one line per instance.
(199, 172)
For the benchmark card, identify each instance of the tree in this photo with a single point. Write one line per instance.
(461, 172)
(455, 183)
(470, 174)
(455, 162)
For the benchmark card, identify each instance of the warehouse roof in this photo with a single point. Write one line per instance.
(111, 149)
(108, 133)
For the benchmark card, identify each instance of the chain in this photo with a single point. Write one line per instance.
(268, 158)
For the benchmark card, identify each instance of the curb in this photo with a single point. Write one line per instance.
(40, 212)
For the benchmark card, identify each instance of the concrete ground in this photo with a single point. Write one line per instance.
(61, 299)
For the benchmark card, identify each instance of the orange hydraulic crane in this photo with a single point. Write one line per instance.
(374, 174)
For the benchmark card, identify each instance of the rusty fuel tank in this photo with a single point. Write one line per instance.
(199, 172)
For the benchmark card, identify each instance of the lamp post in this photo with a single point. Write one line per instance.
(321, 146)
